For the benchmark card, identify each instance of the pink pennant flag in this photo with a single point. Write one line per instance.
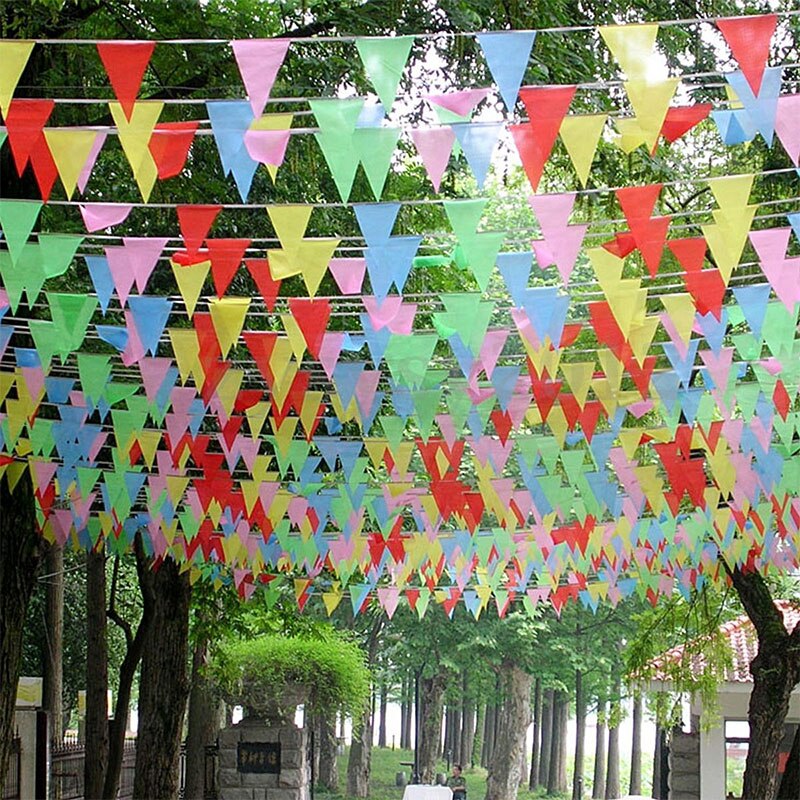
(267, 147)
(121, 272)
(786, 125)
(782, 273)
(154, 371)
(391, 314)
(259, 61)
(434, 146)
(461, 103)
(348, 273)
(329, 351)
(143, 253)
(86, 171)
(366, 387)
(562, 241)
(134, 351)
(97, 216)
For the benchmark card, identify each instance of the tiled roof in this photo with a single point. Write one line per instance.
(741, 637)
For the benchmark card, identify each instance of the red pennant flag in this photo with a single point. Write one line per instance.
(169, 145)
(637, 203)
(748, 39)
(44, 168)
(690, 252)
(25, 122)
(312, 318)
(261, 344)
(125, 63)
(262, 275)
(226, 255)
(196, 222)
(546, 106)
(681, 120)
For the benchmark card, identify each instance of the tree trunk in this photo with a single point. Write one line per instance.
(164, 686)
(488, 733)
(775, 671)
(656, 792)
(405, 715)
(328, 771)
(96, 761)
(557, 777)
(21, 554)
(790, 782)
(599, 780)
(467, 722)
(204, 721)
(635, 786)
(384, 703)
(533, 781)
(477, 739)
(127, 671)
(547, 733)
(447, 744)
(580, 737)
(513, 718)
(53, 655)
(359, 764)
(432, 700)
(612, 772)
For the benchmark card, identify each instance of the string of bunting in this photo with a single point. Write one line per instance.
(610, 411)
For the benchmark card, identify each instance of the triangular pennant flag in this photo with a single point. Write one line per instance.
(230, 120)
(267, 140)
(375, 148)
(434, 146)
(507, 54)
(632, 46)
(749, 39)
(25, 121)
(125, 63)
(195, 223)
(70, 150)
(478, 140)
(226, 256)
(259, 61)
(135, 130)
(546, 106)
(228, 315)
(98, 216)
(384, 60)
(581, 134)
(17, 218)
(190, 280)
(14, 57)
(169, 145)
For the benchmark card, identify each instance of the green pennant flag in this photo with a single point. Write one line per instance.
(57, 252)
(475, 251)
(384, 60)
(337, 123)
(94, 371)
(459, 404)
(15, 275)
(393, 429)
(426, 406)
(408, 357)
(468, 316)
(375, 148)
(71, 314)
(41, 436)
(17, 218)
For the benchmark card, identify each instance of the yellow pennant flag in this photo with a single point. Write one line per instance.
(579, 377)
(190, 280)
(581, 134)
(70, 150)
(14, 55)
(650, 101)
(134, 136)
(298, 256)
(632, 46)
(681, 310)
(228, 315)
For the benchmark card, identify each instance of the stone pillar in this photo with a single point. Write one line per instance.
(684, 766)
(236, 783)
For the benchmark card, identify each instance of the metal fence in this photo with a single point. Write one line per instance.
(66, 775)
(11, 790)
